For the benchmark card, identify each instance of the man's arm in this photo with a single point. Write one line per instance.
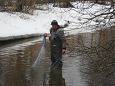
(65, 25)
(61, 35)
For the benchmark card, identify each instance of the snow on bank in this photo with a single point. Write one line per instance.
(81, 13)
(20, 24)
(12, 24)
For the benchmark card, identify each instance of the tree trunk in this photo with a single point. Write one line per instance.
(112, 3)
(96, 1)
(19, 5)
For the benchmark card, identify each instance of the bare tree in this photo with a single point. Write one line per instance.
(19, 5)
(104, 16)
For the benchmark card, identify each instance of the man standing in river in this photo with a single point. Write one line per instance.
(58, 41)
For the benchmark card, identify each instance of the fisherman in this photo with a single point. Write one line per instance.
(58, 42)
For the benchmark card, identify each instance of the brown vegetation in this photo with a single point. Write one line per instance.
(26, 5)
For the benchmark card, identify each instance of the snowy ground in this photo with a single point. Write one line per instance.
(20, 24)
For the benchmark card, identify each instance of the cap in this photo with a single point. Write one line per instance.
(54, 22)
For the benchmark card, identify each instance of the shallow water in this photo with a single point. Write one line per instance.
(16, 59)
(92, 57)
(89, 61)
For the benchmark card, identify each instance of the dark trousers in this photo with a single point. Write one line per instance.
(56, 53)
(56, 78)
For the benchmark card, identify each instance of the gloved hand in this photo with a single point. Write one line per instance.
(63, 51)
(45, 34)
(65, 25)
(49, 38)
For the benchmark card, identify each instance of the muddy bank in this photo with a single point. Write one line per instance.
(19, 37)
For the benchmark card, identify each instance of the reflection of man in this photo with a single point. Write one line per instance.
(56, 78)
(57, 42)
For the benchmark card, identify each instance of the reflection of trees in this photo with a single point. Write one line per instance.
(56, 78)
(97, 52)
(15, 63)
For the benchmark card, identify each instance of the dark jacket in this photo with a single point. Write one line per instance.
(57, 37)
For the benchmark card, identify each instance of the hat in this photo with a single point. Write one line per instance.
(54, 22)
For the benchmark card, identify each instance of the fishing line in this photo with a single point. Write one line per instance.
(40, 55)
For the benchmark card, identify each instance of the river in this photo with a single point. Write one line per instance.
(89, 61)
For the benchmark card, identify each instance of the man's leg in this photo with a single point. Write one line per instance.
(53, 54)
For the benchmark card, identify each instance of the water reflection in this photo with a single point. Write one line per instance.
(98, 58)
(16, 59)
(56, 78)
(95, 53)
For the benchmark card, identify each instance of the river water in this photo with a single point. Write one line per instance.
(16, 60)
(93, 57)
(89, 61)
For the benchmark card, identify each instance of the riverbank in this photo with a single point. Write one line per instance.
(10, 38)
(16, 25)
